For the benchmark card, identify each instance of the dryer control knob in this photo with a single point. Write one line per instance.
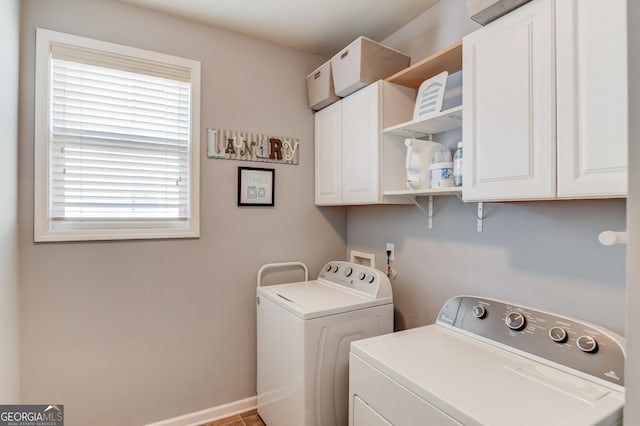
(515, 321)
(587, 344)
(348, 271)
(335, 269)
(371, 279)
(361, 276)
(558, 334)
(479, 312)
(328, 268)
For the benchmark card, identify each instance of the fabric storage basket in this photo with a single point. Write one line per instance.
(363, 62)
(320, 89)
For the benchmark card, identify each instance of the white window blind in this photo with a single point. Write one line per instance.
(120, 148)
(119, 141)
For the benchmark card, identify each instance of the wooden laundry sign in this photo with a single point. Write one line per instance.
(234, 145)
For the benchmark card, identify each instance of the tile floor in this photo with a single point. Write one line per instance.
(250, 418)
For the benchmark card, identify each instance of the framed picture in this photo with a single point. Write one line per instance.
(256, 186)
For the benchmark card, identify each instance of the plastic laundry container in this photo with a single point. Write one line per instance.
(441, 175)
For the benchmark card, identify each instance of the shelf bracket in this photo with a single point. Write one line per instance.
(479, 215)
(413, 134)
(430, 212)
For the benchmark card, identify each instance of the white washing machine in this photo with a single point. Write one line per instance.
(304, 333)
(487, 362)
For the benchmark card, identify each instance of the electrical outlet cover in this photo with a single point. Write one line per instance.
(391, 247)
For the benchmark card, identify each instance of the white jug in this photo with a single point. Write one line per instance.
(418, 161)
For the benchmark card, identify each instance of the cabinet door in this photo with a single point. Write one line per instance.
(592, 98)
(360, 146)
(509, 107)
(328, 155)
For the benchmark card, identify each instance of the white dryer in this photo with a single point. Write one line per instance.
(304, 333)
(487, 362)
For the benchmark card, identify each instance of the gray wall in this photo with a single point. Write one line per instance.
(543, 254)
(126, 333)
(439, 27)
(9, 326)
(632, 372)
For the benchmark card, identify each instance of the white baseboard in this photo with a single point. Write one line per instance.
(211, 414)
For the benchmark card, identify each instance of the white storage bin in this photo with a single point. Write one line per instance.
(320, 89)
(363, 62)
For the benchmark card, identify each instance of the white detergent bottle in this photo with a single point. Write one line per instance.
(418, 160)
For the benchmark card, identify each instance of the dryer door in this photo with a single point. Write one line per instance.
(363, 415)
(389, 400)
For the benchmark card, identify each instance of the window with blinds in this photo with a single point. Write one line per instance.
(120, 145)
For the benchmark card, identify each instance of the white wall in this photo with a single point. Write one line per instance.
(632, 373)
(542, 254)
(124, 333)
(9, 326)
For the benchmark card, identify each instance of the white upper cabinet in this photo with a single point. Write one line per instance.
(509, 114)
(328, 155)
(348, 138)
(592, 98)
(545, 103)
(360, 146)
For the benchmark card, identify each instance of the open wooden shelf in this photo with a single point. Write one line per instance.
(435, 123)
(449, 59)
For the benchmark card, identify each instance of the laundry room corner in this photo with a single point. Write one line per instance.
(540, 254)
(315, 214)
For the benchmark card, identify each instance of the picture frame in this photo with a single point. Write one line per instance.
(256, 186)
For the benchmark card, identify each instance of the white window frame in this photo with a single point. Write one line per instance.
(86, 230)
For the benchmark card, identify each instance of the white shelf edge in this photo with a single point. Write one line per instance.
(414, 127)
(426, 192)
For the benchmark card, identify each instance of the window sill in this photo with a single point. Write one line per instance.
(116, 233)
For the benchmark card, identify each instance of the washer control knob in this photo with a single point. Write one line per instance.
(335, 269)
(371, 279)
(479, 312)
(328, 268)
(587, 344)
(361, 276)
(558, 334)
(515, 321)
(348, 271)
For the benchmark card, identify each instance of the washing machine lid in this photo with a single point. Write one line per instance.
(477, 383)
(318, 298)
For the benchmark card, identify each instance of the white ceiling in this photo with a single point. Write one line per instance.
(317, 26)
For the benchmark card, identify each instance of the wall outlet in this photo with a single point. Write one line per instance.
(391, 248)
